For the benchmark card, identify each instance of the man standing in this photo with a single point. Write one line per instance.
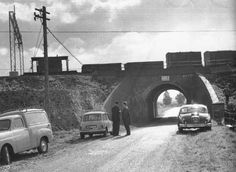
(116, 119)
(126, 117)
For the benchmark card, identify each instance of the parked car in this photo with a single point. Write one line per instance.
(23, 130)
(95, 122)
(194, 116)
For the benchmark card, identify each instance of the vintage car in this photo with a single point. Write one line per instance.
(23, 130)
(95, 122)
(194, 116)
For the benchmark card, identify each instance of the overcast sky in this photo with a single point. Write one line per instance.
(188, 24)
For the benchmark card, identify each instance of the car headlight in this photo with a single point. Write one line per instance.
(180, 116)
(208, 118)
(181, 119)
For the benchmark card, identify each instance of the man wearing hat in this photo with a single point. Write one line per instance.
(126, 117)
(116, 118)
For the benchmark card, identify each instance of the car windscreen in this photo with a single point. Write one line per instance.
(193, 109)
(92, 117)
(4, 124)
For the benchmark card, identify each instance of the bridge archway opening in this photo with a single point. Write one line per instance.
(168, 103)
(157, 107)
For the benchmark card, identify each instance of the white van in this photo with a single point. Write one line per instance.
(23, 130)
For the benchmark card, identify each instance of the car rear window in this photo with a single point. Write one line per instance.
(34, 118)
(92, 117)
(193, 109)
(5, 124)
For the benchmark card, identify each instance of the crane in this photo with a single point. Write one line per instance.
(16, 46)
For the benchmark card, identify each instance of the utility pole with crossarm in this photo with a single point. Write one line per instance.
(43, 16)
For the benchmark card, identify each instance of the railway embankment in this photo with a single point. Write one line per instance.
(69, 96)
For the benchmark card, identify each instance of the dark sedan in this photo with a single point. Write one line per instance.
(194, 116)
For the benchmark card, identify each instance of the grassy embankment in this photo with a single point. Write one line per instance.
(70, 96)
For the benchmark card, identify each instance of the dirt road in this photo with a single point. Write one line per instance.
(150, 148)
(172, 112)
(140, 151)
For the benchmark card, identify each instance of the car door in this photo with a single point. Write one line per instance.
(38, 125)
(20, 135)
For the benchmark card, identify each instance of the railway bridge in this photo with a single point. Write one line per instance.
(141, 90)
(143, 82)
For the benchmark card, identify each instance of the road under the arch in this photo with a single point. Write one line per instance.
(169, 113)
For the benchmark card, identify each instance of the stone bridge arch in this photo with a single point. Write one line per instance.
(140, 91)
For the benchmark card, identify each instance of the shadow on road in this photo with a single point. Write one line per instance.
(25, 155)
(106, 138)
(119, 137)
(158, 122)
(77, 139)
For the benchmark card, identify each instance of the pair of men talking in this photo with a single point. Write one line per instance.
(116, 118)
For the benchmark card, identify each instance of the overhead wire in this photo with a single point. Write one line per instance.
(64, 46)
(39, 46)
(37, 42)
(124, 31)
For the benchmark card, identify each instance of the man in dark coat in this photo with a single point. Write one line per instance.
(116, 119)
(126, 117)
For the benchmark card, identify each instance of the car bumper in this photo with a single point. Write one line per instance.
(186, 125)
(93, 132)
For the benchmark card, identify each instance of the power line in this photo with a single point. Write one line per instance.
(37, 42)
(143, 31)
(38, 46)
(123, 31)
(64, 46)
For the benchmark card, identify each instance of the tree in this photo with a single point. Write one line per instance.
(180, 99)
(167, 99)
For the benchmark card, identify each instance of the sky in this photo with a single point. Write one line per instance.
(147, 29)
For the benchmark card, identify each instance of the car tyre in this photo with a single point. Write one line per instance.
(105, 133)
(43, 146)
(180, 129)
(5, 155)
(81, 136)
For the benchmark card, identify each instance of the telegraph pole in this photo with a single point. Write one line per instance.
(43, 17)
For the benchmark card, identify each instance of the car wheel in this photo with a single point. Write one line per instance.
(90, 135)
(43, 146)
(81, 136)
(105, 133)
(208, 128)
(180, 129)
(6, 156)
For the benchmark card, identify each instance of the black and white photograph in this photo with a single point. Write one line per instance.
(117, 85)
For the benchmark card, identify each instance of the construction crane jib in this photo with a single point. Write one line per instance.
(16, 46)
